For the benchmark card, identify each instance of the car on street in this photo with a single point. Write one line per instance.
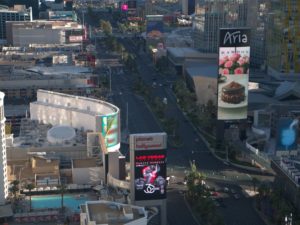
(226, 189)
(233, 191)
(236, 196)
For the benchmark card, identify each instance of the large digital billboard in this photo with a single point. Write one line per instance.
(287, 134)
(233, 77)
(154, 26)
(110, 130)
(150, 174)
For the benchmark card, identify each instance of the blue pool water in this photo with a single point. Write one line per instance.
(54, 201)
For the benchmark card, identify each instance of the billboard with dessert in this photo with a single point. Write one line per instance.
(233, 77)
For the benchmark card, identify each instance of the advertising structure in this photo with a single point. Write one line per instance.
(110, 130)
(150, 174)
(287, 133)
(233, 77)
(154, 26)
(149, 141)
(148, 160)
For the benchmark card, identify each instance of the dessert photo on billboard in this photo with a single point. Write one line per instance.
(150, 175)
(233, 82)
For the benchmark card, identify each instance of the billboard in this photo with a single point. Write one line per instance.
(154, 26)
(110, 129)
(150, 174)
(233, 75)
(148, 141)
(287, 133)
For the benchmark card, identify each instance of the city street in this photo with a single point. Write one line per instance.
(141, 119)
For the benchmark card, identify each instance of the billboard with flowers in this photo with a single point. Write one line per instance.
(233, 77)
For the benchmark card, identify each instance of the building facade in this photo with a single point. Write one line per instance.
(43, 32)
(3, 160)
(283, 37)
(188, 7)
(15, 14)
(82, 113)
(210, 16)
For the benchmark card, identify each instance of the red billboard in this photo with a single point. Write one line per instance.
(150, 174)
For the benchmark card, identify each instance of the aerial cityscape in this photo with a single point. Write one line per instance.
(149, 112)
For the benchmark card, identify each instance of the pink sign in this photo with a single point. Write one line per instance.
(124, 7)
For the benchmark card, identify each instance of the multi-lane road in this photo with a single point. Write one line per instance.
(141, 120)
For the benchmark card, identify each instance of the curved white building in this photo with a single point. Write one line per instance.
(3, 161)
(82, 113)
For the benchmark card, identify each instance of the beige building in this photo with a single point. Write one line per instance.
(43, 32)
(86, 171)
(202, 79)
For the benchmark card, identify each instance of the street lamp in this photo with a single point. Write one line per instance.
(109, 69)
(154, 51)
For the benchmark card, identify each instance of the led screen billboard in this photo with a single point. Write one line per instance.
(110, 130)
(233, 77)
(287, 134)
(150, 174)
(154, 26)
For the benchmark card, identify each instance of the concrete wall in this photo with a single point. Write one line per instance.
(86, 175)
(24, 37)
(67, 152)
(45, 83)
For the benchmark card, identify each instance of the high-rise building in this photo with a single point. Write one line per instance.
(18, 13)
(283, 37)
(210, 16)
(3, 161)
(188, 7)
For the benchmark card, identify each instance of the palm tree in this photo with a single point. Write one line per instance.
(29, 186)
(62, 190)
(14, 188)
(255, 181)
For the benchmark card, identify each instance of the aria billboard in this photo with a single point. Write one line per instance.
(233, 75)
(287, 134)
(150, 174)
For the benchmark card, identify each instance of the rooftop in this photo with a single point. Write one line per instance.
(111, 213)
(203, 70)
(34, 134)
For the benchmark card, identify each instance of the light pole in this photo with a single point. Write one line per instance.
(109, 69)
(21, 169)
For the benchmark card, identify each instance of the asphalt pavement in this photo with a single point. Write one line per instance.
(142, 120)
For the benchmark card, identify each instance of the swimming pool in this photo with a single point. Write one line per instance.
(54, 201)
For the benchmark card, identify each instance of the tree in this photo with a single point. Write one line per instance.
(162, 63)
(194, 183)
(106, 27)
(29, 186)
(62, 190)
(255, 182)
(14, 188)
